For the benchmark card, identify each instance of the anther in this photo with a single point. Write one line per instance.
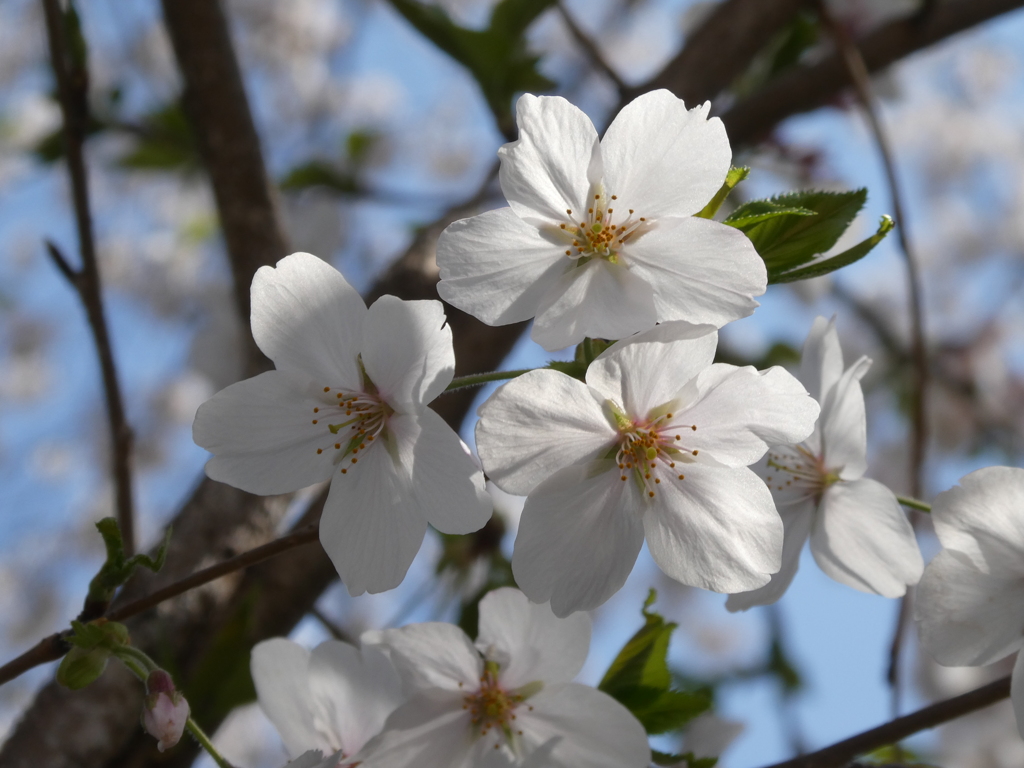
(693, 427)
(344, 471)
(319, 451)
(651, 494)
(316, 410)
(337, 446)
(314, 421)
(354, 460)
(615, 197)
(695, 452)
(682, 477)
(328, 389)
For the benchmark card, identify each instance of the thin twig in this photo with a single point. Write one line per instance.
(841, 753)
(858, 71)
(72, 88)
(593, 52)
(53, 647)
(330, 625)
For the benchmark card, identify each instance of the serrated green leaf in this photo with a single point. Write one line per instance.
(732, 178)
(790, 240)
(757, 211)
(831, 264)
(686, 759)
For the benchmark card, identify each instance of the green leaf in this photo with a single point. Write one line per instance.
(831, 264)
(575, 368)
(757, 211)
(789, 240)
(732, 178)
(318, 173)
(91, 646)
(163, 142)
(497, 57)
(640, 680)
(687, 759)
(118, 568)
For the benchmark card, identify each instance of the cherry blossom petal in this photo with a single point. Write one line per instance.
(701, 271)
(862, 538)
(796, 520)
(449, 485)
(647, 370)
(821, 362)
(528, 641)
(428, 731)
(662, 159)
(843, 424)
(536, 424)
(314, 758)
(739, 412)
(497, 267)
(982, 518)
(262, 435)
(716, 529)
(577, 539)
(407, 350)
(967, 615)
(589, 728)
(352, 692)
(280, 672)
(600, 300)
(545, 171)
(371, 526)
(430, 655)
(1017, 692)
(308, 319)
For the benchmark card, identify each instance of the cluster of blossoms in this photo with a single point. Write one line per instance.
(724, 471)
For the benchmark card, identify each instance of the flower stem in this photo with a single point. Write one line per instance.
(920, 506)
(588, 350)
(476, 379)
(206, 744)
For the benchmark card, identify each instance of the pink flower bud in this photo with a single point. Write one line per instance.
(165, 710)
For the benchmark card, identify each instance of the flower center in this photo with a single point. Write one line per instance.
(650, 449)
(353, 419)
(595, 235)
(799, 471)
(491, 707)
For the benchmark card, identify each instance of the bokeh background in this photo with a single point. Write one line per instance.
(371, 132)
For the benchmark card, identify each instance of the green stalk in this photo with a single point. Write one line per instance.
(197, 733)
(476, 379)
(920, 506)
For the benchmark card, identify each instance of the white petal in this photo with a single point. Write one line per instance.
(821, 362)
(1017, 692)
(662, 159)
(353, 692)
(448, 484)
(796, 520)
(739, 412)
(497, 267)
(600, 300)
(431, 655)
(280, 672)
(262, 435)
(314, 758)
(425, 732)
(982, 518)
(647, 370)
(528, 640)
(843, 424)
(862, 538)
(701, 271)
(536, 424)
(544, 172)
(578, 538)
(590, 729)
(308, 319)
(716, 529)
(967, 616)
(371, 526)
(407, 350)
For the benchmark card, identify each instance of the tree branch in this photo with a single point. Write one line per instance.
(590, 48)
(72, 89)
(843, 752)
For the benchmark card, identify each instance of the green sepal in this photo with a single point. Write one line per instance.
(686, 759)
(732, 178)
(840, 260)
(588, 349)
(92, 645)
(118, 568)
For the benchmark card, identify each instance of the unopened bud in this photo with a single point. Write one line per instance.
(165, 711)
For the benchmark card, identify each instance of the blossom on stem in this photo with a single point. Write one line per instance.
(969, 606)
(859, 534)
(328, 701)
(348, 403)
(858, 531)
(506, 701)
(600, 238)
(656, 444)
(165, 711)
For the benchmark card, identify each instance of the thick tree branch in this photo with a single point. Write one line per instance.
(810, 86)
(72, 90)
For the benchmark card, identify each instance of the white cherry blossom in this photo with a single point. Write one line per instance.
(969, 605)
(859, 534)
(326, 702)
(508, 700)
(656, 444)
(600, 238)
(348, 403)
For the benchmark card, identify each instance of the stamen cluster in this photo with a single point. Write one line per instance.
(797, 468)
(645, 444)
(596, 236)
(491, 706)
(364, 414)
